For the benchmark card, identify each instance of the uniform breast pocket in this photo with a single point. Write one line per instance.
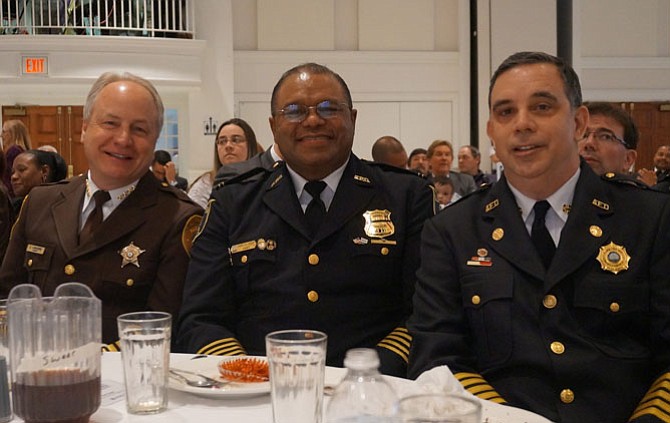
(129, 284)
(487, 300)
(613, 311)
(252, 266)
(37, 261)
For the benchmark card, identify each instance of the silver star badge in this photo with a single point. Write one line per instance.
(130, 254)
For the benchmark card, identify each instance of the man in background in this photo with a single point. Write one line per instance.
(610, 140)
(469, 161)
(389, 150)
(165, 170)
(418, 161)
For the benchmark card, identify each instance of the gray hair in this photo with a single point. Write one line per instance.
(112, 77)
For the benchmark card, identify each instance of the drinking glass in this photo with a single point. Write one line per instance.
(438, 408)
(145, 352)
(297, 360)
(4, 340)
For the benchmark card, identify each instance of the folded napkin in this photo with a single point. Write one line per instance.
(440, 380)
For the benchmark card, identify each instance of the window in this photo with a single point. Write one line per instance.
(169, 137)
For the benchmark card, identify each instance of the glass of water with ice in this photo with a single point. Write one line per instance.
(297, 360)
(145, 352)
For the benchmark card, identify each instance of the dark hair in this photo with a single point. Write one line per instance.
(384, 146)
(623, 118)
(316, 69)
(443, 180)
(53, 161)
(473, 150)
(162, 157)
(573, 89)
(249, 135)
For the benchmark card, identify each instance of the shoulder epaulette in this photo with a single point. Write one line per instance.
(391, 168)
(624, 179)
(248, 176)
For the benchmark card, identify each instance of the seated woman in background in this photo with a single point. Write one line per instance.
(32, 168)
(235, 142)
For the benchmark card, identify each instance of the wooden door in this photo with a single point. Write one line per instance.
(653, 122)
(59, 126)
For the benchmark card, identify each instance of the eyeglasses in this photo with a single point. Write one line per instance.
(605, 136)
(327, 109)
(234, 140)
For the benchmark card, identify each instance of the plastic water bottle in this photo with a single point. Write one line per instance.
(363, 396)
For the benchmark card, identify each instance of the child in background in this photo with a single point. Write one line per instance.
(444, 190)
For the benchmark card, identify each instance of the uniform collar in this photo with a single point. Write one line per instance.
(332, 181)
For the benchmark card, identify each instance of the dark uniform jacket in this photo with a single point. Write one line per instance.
(255, 269)
(582, 342)
(229, 171)
(154, 224)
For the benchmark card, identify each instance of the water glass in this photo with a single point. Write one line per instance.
(439, 408)
(297, 360)
(145, 352)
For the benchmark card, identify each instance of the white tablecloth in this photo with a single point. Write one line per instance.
(184, 407)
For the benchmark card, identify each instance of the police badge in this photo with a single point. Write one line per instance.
(378, 223)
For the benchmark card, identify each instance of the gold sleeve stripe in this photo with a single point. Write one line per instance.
(401, 344)
(403, 353)
(226, 346)
(115, 347)
(657, 400)
(478, 386)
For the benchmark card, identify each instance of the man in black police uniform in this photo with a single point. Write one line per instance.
(579, 334)
(263, 262)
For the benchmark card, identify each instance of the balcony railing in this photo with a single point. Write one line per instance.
(142, 18)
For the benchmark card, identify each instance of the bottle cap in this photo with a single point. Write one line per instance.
(361, 359)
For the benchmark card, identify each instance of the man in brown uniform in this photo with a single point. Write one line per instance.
(115, 229)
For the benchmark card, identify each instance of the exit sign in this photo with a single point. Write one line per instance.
(35, 65)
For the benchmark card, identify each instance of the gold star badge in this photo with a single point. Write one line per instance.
(130, 254)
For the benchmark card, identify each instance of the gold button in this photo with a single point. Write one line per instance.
(130, 282)
(557, 348)
(69, 269)
(476, 300)
(498, 234)
(549, 301)
(244, 259)
(615, 307)
(567, 396)
(609, 175)
(30, 262)
(595, 231)
(385, 251)
(313, 296)
(313, 259)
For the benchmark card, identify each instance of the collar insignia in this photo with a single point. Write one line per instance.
(492, 205)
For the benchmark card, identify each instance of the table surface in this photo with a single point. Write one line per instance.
(184, 407)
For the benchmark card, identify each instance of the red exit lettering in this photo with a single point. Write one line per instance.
(34, 65)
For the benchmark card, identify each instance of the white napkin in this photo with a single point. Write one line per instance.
(440, 380)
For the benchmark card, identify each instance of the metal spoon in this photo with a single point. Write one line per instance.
(202, 382)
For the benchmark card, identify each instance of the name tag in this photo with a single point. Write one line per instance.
(36, 249)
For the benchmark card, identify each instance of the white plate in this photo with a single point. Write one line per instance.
(208, 366)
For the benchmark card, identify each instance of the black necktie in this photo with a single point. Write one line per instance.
(540, 235)
(95, 218)
(316, 210)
